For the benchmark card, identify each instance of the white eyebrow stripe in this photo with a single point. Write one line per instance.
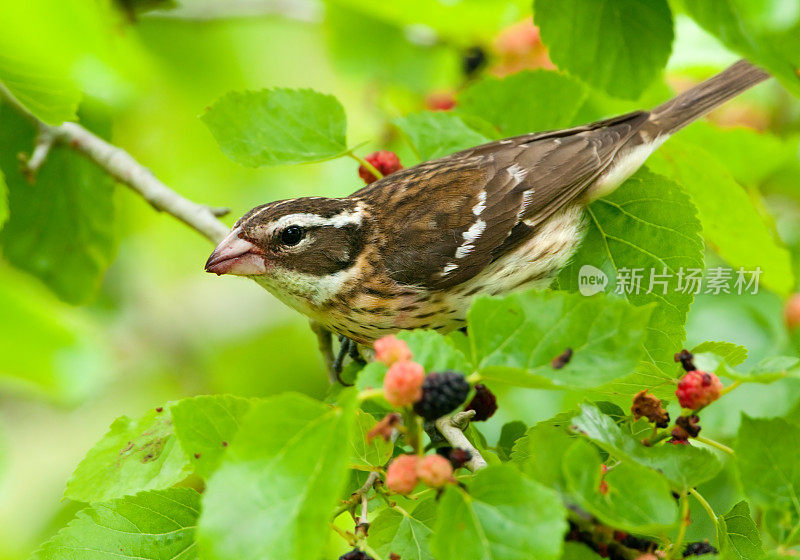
(304, 219)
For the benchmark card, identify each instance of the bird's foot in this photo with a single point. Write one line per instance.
(347, 348)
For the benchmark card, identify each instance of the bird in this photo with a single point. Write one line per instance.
(411, 250)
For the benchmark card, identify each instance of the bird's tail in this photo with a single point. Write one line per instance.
(692, 104)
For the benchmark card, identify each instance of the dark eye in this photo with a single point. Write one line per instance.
(292, 235)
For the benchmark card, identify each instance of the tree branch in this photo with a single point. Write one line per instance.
(452, 428)
(119, 164)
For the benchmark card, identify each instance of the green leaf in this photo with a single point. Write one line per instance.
(368, 456)
(540, 454)
(435, 352)
(61, 229)
(733, 354)
(728, 21)
(273, 493)
(401, 533)
(516, 337)
(528, 101)
(618, 46)
(638, 499)
(437, 134)
(153, 525)
(134, 455)
(504, 515)
(731, 223)
(509, 434)
(684, 466)
(768, 453)
(648, 224)
(742, 538)
(205, 425)
(278, 126)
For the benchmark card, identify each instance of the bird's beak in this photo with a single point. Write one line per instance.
(237, 256)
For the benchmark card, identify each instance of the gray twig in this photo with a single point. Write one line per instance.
(452, 428)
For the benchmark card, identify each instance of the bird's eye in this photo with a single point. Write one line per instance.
(292, 235)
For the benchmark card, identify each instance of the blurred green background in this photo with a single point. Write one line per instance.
(161, 329)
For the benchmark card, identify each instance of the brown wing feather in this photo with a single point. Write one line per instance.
(511, 186)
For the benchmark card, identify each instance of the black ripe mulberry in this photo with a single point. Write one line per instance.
(484, 403)
(698, 549)
(441, 393)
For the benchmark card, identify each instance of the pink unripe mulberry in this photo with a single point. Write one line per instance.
(697, 389)
(435, 471)
(390, 349)
(402, 385)
(401, 476)
(384, 161)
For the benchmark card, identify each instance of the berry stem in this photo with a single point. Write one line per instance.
(474, 378)
(675, 551)
(368, 394)
(707, 507)
(730, 387)
(371, 552)
(371, 168)
(716, 444)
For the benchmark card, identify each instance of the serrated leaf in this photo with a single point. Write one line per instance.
(153, 525)
(134, 455)
(540, 453)
(742, 538)
(618, 46)
(368, 456)
(684, 466)
(437, 134)
(278, 126)
(435, 352)
(401, 533)
(504, 515)
(528, 101)
(647, 224)
(727, 21)
(768, 453)
(637, 499)
(61, 229)
(205, 425)
(509, 434)
(516, 337)
(733, 354)
(273, 493)
(730, 221)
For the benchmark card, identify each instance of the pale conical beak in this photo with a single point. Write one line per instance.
(237, 256)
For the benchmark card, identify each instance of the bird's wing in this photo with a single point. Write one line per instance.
(455, 215)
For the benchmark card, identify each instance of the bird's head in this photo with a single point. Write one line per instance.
(300, 248)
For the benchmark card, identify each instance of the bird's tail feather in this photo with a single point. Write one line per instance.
(692, 104)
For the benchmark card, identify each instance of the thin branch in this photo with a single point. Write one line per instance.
(32, 164)
(452, 428)
(119, 164)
